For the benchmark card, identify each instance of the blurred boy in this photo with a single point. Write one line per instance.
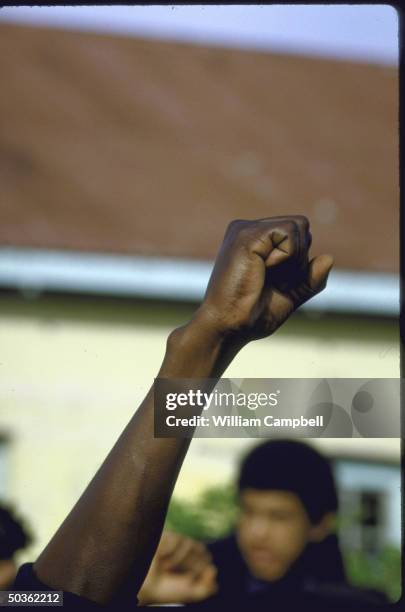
(284, 548)
(283, 551)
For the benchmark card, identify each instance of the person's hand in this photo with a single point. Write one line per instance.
(181, 572)
(262, 274)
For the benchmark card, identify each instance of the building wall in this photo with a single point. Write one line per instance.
(73, 371)
(384, 480)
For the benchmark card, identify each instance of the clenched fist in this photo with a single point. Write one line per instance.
(261, 275)
(181, 572)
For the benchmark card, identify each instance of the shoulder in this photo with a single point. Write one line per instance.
(27, 580)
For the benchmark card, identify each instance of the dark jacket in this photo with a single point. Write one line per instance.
(317, 578)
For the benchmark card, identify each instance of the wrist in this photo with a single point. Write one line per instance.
(199, 349)
(199, 331)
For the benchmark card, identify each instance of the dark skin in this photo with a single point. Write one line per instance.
(261, 276)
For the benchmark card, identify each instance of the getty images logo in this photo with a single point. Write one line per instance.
(349, 407)
(371, 410)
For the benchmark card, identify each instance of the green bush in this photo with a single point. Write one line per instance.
(210, 517)
(382, 572)
(213, 514)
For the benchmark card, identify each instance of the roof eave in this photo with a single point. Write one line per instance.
(175, 279)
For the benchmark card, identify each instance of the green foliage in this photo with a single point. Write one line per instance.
(212, 515)
(382, 572)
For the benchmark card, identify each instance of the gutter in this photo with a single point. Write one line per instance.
(38, 270)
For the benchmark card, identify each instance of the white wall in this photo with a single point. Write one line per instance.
(69, 384)
(383, 478)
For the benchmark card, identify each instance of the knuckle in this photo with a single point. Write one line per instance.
(246, 232)
(287, 227)
(304, 220)
(234, 224)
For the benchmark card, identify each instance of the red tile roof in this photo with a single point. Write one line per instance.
(125, 145)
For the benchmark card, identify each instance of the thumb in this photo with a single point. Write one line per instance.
(316, 277)
(318, 272)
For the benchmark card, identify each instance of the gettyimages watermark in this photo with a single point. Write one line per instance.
(286, 407)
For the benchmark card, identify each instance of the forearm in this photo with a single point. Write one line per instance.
(112, 532)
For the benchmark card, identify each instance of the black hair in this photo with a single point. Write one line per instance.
(13, 533)
(289, 465)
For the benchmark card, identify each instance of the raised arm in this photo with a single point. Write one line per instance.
(261, 275)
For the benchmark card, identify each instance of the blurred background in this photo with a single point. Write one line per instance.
(129, 138)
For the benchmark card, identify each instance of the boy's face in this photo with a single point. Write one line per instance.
(272, 531)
